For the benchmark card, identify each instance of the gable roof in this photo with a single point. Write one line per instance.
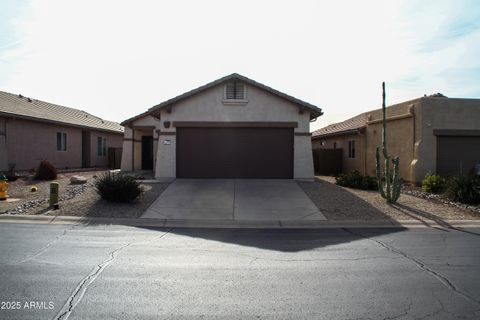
(18, 106)
(350, 125)
(314, 110)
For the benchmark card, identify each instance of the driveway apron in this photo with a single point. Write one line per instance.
(234, 200)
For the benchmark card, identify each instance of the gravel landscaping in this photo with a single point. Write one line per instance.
(339, 203)
(90, 204)
(37, 202)
(75, 200)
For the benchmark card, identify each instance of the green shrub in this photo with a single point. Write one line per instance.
(118, 187)
(465, 189)
(45, 171)
(433, 183)
(356, 180)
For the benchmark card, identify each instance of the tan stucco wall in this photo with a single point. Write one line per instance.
(166, 166)
(143, 126)
(302, 161)
(208, 106)
(400, 140)
(29, 142)
(400, 136)
(438, 113)
(410, 134)
(126, 164)
(113, 141)
(348, 164)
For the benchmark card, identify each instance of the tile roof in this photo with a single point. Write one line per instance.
(27, 108)
(314, 110)
(352, 124)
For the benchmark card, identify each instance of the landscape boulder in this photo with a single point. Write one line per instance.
(78, 180)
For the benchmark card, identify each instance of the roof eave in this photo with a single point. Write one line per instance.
(339, 133)
(24, 117)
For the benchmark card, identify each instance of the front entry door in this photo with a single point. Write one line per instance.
(147, 152)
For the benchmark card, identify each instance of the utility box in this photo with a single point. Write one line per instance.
(53, 194)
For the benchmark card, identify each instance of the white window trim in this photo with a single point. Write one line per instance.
(354, 149)
(66, 141)
(103, 146)
(235, 102)
(104, 141)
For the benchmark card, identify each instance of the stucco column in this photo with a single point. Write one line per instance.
(127, 150)
(165, 166)
(303, 157)
(126, 156)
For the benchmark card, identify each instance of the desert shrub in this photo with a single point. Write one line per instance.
(117, 187)
(356, 180)
(45, 171)
(433, 183)
(464, 189)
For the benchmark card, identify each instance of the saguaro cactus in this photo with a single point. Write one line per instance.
(389, 185)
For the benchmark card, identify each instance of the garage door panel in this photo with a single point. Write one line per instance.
(234, 152)
(457, 155)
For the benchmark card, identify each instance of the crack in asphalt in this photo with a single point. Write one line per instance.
(443, 279)
(404, 313)
(436, 312)
(48, 245)
(442, 308)
(78, 293)
(254, 258)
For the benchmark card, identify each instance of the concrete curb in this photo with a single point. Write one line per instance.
(297, 224)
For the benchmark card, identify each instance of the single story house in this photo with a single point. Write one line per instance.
(430, 134)
(32, 130)
(233, 127)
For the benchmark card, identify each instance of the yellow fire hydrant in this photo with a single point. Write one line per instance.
(3, 188)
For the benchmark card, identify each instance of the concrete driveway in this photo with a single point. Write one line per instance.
(234, 200)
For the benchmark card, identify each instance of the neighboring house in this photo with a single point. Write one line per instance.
(233, 127)
(430, 134)
(32, 130)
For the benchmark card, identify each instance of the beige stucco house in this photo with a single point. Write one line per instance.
(233, 127)
(430, 134)
(32, 130)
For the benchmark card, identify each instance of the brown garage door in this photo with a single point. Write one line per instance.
(235, 153)
(457, 155)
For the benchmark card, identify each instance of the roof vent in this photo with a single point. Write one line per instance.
(20, 96)
(29, 100)
(437, 95)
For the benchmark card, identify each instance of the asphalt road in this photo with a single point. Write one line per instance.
(119, 272)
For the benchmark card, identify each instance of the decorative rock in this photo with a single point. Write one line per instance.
(439, 198)
(78, 180)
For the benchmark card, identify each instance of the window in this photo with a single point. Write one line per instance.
(235, 91)
(101, 146)
(61, 141)
(351, 149)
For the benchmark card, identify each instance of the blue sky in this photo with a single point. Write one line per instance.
(115, 59)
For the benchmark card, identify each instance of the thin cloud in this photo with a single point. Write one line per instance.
(116, 59)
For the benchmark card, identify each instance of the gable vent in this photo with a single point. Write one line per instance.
(235, 91)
